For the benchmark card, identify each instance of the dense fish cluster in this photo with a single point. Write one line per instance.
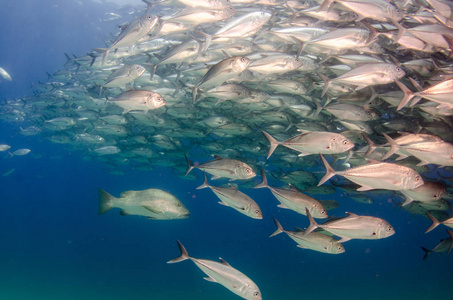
(362, 89)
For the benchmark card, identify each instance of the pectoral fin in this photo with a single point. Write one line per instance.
(152, 209)
(210, 279)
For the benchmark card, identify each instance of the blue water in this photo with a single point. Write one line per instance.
(55, 246)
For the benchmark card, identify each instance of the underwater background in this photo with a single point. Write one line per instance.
(54, 245)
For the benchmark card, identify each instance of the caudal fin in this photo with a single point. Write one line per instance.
(184, 254)
(435, 222)
(393, 146)
(329, 171)
(313, 224)
(205, 183)
(105, 201)
(264, 183)
(427, 252)
(190, 167)
(279, 228)
(274, 143)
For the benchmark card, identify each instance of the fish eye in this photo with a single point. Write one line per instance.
(159, 99)
(257, 211)
(243, 59)
(248, 170)
(345, 142)
(390, 228)
(178, 204)
(417, 178)
(255, 294)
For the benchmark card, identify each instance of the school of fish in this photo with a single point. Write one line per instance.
(359, 89)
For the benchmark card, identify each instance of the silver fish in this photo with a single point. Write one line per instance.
(138, 100)
(224, 274)
(294, 200)
(224, 167)
(233, 198)
(354, 227)
(313, 241)
(377, 175)
(312, 143)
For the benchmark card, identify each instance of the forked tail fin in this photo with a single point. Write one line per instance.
(184, 254)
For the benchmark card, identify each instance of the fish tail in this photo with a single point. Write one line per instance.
(329, 171)
(407, 200)
(194, 95)
(184, 254)
(371, 145)
(190, 167)
(427, 252)
(205, 183)
(393, 146)
(408, 95)
(274, 143)
(435, 222)
(450, 233)
(105, 201)
(313, 224)
(327, 82)
(104, 57)
(264, 183)
(279, 228)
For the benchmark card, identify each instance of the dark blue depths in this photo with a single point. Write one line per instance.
(55, 246)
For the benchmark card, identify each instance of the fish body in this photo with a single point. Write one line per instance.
(368, 75)
(151, 203)
(354, 227)
(132, 33)
(4, 147)
(224, 167)
(20, 152)
(5, 74)
(221, 72)
(295, 200)
(377, 175)
(224, 274)
(314, 241)
(234, 198)
(312, 143)
(124, 75)
(138, 100)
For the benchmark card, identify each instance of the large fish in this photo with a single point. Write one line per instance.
(312, 143)
(368, 75)
(138, 100)
(132, 33)
(224, 274)
(234, 198)
(354, 227)
(377, 175)
(151, 203)
(224, 167)
(123, 76)
(314, 240)
(294, 200)
(221, 72)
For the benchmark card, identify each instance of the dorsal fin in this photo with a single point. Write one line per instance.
(217, 157)
(224, 262)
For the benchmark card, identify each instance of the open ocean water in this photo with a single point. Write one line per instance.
(54, 245)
